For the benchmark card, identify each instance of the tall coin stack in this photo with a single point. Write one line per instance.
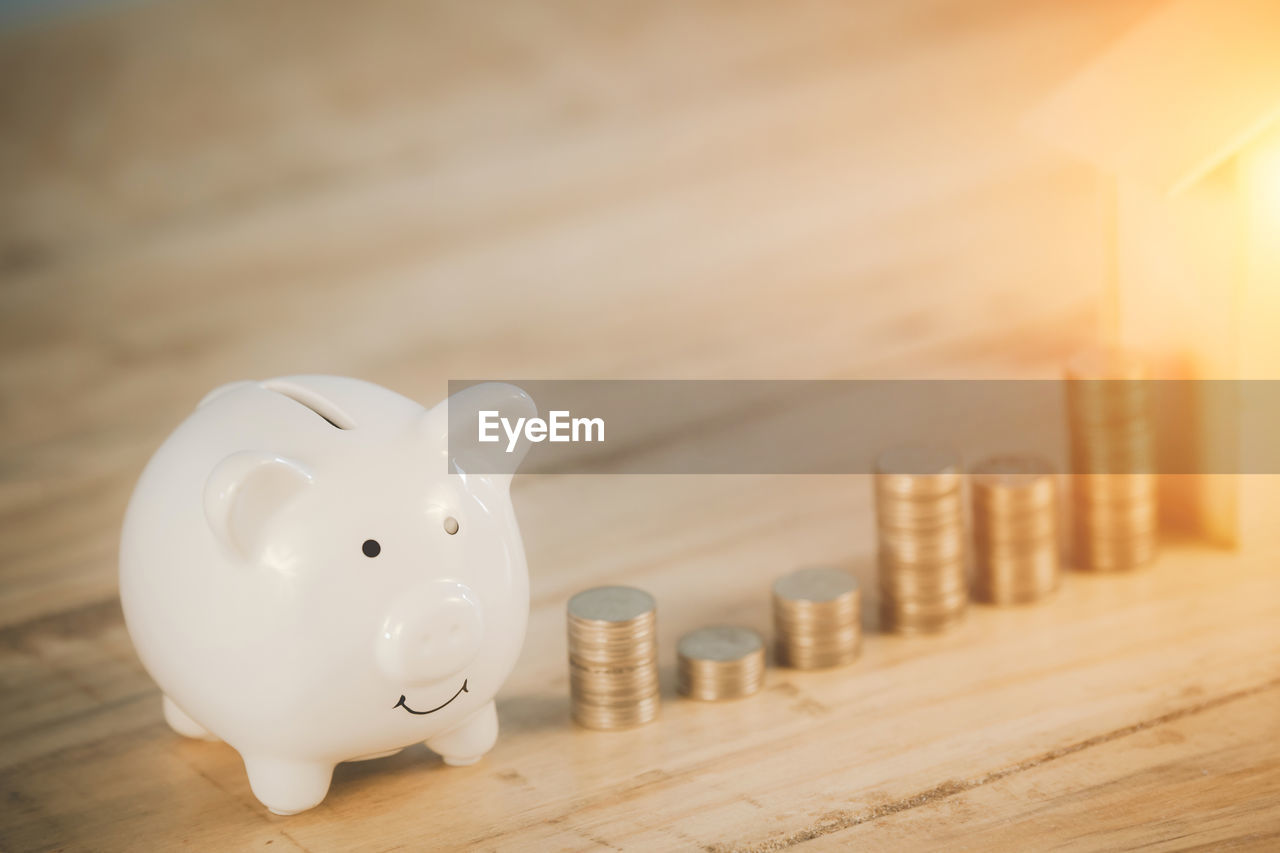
(720, 662)
(920, 519)
(613, 657)
(1015, 529)
(1114, 504)
(816, 613)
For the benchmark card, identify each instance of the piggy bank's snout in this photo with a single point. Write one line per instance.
(431, 633)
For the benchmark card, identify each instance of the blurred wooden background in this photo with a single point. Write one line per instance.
(200, 192)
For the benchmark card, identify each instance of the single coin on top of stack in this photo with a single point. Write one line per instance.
(816, 613)
(1115, 524)
(720, 662)
(922, 554)
(613, 657)
(1015, 529)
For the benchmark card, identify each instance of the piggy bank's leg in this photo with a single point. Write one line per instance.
(285, 786)
(468, 743)
(182, 724)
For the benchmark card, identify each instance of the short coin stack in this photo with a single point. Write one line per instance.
(816, 613)
(920, 519)
(1015, 529)
(721, 662)
(613, 657)
(1114, 505)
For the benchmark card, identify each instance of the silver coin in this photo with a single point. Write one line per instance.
(815, 584)
(719, 643)
(611, 604)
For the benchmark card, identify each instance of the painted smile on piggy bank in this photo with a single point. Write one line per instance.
(402, 704)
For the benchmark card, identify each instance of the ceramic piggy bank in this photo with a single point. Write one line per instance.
(310, 577)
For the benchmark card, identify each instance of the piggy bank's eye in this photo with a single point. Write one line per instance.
(371, 548)
(451, 525)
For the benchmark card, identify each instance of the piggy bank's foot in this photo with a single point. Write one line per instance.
(469, 741)
(182, 724)
(287, 787)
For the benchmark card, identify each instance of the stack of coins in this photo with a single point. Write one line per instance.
(920, 519)
(613, 657)
(1114, 505)
(817, 619)
(1015, 529)
(722, 662)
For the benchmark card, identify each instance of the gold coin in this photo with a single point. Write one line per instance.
(1115, 511)
(817, 617)
(922, 544)
(1015, 529)
(613, 657)
(719, 662)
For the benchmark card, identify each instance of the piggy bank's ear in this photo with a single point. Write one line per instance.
(461, 421)
(244, 493)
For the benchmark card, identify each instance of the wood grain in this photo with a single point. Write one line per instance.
(1105, 792)
(195, 193)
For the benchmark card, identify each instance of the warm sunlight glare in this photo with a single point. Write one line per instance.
(1265, 181)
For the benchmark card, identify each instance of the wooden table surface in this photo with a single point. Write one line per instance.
(200, 192)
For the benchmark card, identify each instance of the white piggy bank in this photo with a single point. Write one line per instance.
(305, 579)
